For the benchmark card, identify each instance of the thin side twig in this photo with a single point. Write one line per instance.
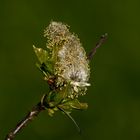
(29, 117)
(99, 43)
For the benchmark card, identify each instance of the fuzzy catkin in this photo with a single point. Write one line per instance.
(71, 64)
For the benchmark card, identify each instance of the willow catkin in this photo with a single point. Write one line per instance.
(70, 61)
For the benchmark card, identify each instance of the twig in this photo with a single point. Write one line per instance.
(99, 43)
(30, 116)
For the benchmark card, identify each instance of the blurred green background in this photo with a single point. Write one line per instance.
(113, 98)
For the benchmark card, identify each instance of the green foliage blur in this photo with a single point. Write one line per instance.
(113, 98)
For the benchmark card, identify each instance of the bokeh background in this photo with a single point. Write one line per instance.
(113, 98)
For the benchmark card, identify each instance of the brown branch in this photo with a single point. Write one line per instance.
(99, 43)
(30, 116)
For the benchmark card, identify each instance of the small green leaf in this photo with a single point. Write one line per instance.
(45, 65)
(42, 55)
(74, 104)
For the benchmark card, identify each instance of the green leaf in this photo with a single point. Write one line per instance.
(74, 104)
(42, 55)
(78, 105)
(45, 65)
